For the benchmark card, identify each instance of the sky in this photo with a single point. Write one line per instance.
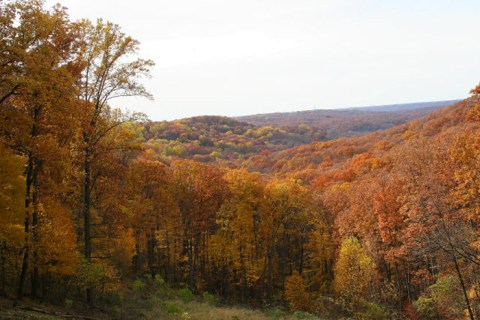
(225, 57)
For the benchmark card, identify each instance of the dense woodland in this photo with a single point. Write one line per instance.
(229, 142)
(348, 121)
(380, 226)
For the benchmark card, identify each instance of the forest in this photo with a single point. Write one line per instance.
(96, 203)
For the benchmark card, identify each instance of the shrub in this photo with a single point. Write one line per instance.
(295, 293)
(210, 298)
(171, 308)
(441, 300)
(159, 282)
(115, 298)
(68, 303)
(97, 275)
(185, 295)
(426, 307)
(304, 315)
(372, 311)
(138, 285)
(276, 313)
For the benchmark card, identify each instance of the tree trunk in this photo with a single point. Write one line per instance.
(457, 269)
(462, 283)
(86, 216)
(269, 273)
(243, 273)
(196, 258)
(460, 278)
(3, 271)
(151, 253)
(191, 274)
(168, 268)
(136, 257)
(26, 249)
(407, 280)
(35, 203)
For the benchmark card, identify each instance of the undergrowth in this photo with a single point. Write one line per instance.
(154, 299)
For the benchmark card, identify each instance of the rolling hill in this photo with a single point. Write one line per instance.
(234, 140)
(315, 159)
(349, 121)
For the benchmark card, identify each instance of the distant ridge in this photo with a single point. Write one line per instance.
(378, 108)
(395, 113)
(406, 106)
(231, 141)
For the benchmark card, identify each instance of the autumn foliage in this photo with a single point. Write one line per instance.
(378, 226)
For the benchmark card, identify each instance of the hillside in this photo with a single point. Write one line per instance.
(348, 121)
(229, 140)
(310, 160)
(352, 189)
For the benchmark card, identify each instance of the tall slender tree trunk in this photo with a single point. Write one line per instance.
(35, 202)
(168, 268)
(3, 277)
(462, 283)
(283, 254)
(196, 258)
(269, 272)
(302, 253)
(407, 280)
(136, 257)
(244, 273)
(151, 253)
(191, 271)
(398, 285)
(86, 216)
(31, 179)
(457, 269)
(26, 249)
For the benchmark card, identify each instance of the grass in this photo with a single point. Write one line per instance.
(196, 310)
(153, 301)
(177, 309)
(170, 304)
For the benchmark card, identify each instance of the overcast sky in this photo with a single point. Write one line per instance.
(225, 57)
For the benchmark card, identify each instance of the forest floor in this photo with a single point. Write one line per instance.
(29, 310)
(163, 304)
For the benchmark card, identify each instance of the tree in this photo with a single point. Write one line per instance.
(150, 199)
(108, 72)
(442, 300)
(284, 229)
(295, 293)
(238, 242)
(354, 272)
(37, 83)
(200, 191)
(13, 51)
(11, 202)
(435, 229)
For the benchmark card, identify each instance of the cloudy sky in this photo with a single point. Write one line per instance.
(225, 57)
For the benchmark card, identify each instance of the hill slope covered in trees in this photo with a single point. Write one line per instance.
(230, 141)
(344, 120)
